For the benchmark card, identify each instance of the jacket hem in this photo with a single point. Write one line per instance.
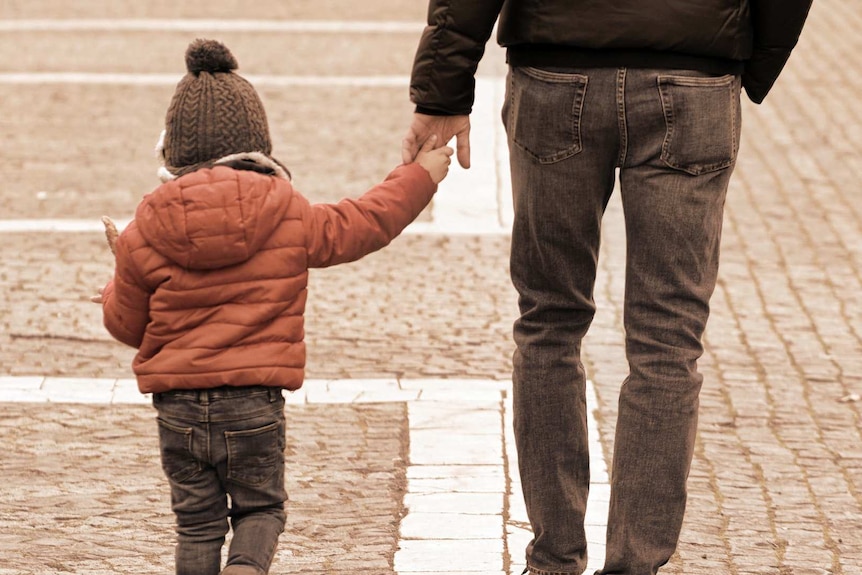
(542, 56)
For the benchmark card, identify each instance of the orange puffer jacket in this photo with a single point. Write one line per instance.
(211, 276)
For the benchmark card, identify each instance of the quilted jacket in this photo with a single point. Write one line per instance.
(211, 275)
(749, 37)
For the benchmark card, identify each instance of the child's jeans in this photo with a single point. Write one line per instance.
(220, 442)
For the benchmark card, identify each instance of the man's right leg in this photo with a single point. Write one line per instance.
(560, 188)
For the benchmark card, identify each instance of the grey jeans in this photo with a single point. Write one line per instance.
(674, 136)
(217, 443)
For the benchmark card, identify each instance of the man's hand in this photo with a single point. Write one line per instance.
(445, 128)
(436, 162)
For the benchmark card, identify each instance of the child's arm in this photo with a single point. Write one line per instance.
(125, 300)
(353, 228)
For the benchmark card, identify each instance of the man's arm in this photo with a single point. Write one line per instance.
(443, 83)
(777, 25)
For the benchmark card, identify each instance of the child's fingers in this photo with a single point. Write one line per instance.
(98, 298)
(429, 143)
(445, 154)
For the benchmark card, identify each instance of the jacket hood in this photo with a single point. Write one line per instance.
(214, 217)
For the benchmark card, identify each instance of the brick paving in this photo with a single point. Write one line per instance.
(776, 485)
(83, 491)
(427, 306)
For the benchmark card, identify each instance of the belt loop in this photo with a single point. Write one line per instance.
(204, 396)
(274, 393)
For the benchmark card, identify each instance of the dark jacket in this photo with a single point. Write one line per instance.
(749, 37)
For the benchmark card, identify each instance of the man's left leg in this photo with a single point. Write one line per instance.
(683, 130)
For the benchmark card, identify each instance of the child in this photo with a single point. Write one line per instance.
(210, 287)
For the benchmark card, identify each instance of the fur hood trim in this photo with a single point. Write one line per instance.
(258, 160)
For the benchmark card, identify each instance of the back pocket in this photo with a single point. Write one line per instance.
(254, 455)
(702, 119)
(545, 113)
(178, 461)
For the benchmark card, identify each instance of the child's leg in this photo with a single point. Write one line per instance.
(255, 535)
(197, 496)
(254, 478)
(201, 510)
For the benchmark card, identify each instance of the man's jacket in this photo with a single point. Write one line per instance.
(749, 37)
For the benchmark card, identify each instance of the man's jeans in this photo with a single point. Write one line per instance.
(674, 136)
(220, 442)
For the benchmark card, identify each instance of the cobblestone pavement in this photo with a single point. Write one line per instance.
(776, 485)
(397, 313)
(84, 491)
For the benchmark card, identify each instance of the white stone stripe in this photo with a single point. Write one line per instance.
(53, 225)
(42, 389)
(211, 25)
(137, 79)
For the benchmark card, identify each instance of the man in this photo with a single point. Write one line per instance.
(650, 88)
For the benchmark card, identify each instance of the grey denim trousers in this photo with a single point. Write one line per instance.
(220, 443)
(673, 135)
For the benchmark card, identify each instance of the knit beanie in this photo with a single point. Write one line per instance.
(214, 112)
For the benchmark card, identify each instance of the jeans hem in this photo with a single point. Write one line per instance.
(533, 571)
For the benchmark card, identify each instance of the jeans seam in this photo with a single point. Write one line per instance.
(621, 116)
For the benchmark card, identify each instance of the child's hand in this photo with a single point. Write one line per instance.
(98, 298)
(436, 162)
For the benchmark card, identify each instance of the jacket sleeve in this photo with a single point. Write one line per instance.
(449, 51)
(126, 300)
(777, 25)
(352, 228)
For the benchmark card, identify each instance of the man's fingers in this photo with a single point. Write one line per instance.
(463, 143)
(464, 153)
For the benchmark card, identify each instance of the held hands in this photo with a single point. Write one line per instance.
(444, 128)
(436, 162)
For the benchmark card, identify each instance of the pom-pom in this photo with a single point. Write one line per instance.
(209, 56)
